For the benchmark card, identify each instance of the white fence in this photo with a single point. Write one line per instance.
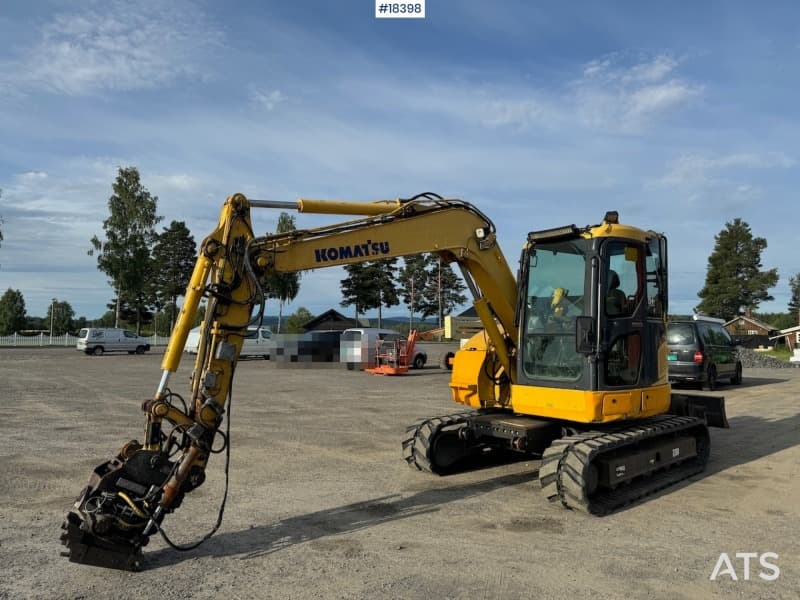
(66, 340)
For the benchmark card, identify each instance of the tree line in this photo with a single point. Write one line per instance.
(426, 284)
(149, 270)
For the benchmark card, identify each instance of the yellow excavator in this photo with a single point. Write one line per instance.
(571, 365)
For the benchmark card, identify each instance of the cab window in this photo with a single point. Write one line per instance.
(624, 278)
(556, 295)
(655, 264)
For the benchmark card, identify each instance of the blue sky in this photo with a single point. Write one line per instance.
(682, 116)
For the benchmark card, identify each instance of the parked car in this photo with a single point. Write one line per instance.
(97, 341)
(702, 352)
(359, 347)
(255, 342)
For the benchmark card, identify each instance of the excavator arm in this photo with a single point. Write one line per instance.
(127, 497)
(455, 230)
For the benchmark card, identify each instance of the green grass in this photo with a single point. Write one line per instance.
(782, 353)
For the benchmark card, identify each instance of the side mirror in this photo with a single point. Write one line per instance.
(584, 335)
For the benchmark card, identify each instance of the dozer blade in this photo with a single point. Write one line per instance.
(710, 408)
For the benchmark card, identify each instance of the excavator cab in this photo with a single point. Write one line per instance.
(594, 318)
(587, 389)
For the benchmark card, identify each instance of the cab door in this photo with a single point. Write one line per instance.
(621, 307)
(632, 308)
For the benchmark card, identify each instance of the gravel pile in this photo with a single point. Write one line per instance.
(758, 360)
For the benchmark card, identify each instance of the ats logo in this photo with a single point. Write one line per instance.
(369, 248)
(725, 566)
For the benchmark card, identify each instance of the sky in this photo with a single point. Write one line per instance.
(682, 116)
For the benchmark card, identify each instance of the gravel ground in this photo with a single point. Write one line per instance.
(322, 506)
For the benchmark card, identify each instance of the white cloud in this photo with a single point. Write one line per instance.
(609, 94)
(33, 176)
(629, 99)
(660, 98)
(181, 182)
(266, 100)
(520, 113)
(115, 46)
(611, 68)
(695, 170)
(723, 184)
(650, 71)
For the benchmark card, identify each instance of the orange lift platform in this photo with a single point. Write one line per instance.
(393, 356)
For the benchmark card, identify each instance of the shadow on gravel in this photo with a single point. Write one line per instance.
(751, 438)
(757, 381)
(723, 385)
(262, 540)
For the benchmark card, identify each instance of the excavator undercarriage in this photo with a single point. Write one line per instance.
(592, 469)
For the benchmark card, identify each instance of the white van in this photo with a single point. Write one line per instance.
(359, 347)
(96, 340)
(256, 342)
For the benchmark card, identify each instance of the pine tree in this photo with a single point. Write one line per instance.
(359, 289)
(734, 278)
(443, 291)
(384, 273)
(370, 285)
(174, 255)
(794, 300)
(412, 280)
(284, 287)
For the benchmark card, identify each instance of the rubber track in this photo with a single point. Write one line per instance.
(417, 445)
(565, 464)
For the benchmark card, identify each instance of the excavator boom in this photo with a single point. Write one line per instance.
(128, 496)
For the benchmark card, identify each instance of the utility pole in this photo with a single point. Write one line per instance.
(116, 317)
(439, 292)
(411, 314)
(52, 315)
